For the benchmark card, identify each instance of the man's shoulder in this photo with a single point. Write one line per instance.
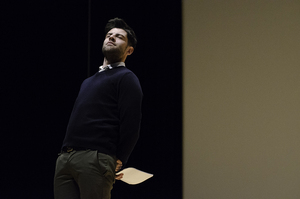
(125, 75)
(123, 71)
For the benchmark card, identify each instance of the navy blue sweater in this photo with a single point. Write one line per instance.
(107, 113)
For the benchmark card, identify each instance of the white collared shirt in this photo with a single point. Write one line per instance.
(111, 66)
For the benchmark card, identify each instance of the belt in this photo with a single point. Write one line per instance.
(69, 149)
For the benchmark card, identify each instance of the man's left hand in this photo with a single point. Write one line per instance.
(118, 167)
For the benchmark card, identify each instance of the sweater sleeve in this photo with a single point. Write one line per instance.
(129, 104)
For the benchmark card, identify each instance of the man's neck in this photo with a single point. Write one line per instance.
(108, 62)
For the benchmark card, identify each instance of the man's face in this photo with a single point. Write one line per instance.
(115, 44)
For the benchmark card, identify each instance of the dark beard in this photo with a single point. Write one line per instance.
(112, 55)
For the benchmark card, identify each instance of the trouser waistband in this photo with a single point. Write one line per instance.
(68, 149)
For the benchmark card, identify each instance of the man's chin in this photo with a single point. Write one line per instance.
(111, 52)
(110, 49)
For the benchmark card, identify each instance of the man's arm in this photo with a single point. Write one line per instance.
(129, 104)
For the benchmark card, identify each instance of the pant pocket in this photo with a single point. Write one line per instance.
(107, 166)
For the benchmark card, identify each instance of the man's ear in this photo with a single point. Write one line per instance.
(130, 50)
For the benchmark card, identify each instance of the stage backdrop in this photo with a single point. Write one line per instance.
(241, 99)
(50, 47)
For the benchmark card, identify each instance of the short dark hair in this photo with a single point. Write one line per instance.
(120, 23)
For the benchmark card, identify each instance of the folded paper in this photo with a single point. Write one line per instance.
(134, 176)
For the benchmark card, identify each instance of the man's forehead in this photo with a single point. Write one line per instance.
(118, 31)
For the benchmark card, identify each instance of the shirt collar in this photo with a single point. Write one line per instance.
(111, 66)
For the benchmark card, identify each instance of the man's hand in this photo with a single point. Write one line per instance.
(120, 176)
(118, 167)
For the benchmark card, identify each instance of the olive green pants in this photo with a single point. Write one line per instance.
(84, 175)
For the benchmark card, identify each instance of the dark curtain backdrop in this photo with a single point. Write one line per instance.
(47, 54)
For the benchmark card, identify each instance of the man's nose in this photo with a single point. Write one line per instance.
(112, 38)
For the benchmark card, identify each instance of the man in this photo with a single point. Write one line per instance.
(104, 125)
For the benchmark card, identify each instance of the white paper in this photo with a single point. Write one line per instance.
(134, 176)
